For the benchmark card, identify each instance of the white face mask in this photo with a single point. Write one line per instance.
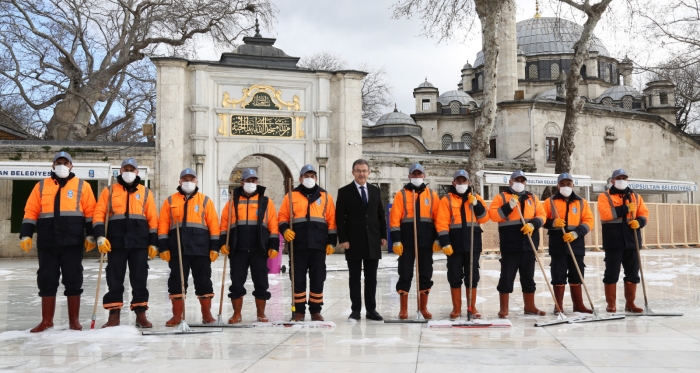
(61, 171)
(309, 183)
(461, 188)
(621, 184)
(188, 186)
(518, 187)
(250, 187)
(418, 181)
(566, 191)
(128, 177)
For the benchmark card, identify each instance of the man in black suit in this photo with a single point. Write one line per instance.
(362, 233)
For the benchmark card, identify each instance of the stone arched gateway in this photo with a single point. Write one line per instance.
(254, 101)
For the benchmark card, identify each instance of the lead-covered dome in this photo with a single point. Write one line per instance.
(395, 117)
(549, 35)
(617, 92)
(456, 95)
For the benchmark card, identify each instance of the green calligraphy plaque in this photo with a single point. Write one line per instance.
(246, 125)
(262, 100)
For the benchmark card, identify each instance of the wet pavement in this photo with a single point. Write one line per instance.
(636, 344)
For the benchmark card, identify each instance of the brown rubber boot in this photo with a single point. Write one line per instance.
(178, 305)
(559, 291)
(630, 295)
(141, 320)
(317, 317)
(503, 303)
(113, 319)
(475, 313)
(529, 307)
(424, 304)
(503, 300)
(48, 308)
(298, 316)
(260, 306)
(403, 312)
(456, 294)
(237, 306)
(610, 297)
(74, 312)
(205, 305)
(577, 299)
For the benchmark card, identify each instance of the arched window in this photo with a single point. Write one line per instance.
(627, 102)
(481, 82)
(454, 107)
(606, 73)
(446, 141)
(584, 75)
(467, 139)
(533, 72)
(663, 98)
(555, 71)
(607, 101)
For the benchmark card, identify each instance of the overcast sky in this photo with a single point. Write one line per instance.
(364, 31)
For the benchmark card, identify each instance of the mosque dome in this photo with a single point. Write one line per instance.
(550, 94)
(456, 95)
(549, 35)
(396, 117)
(617, 92)
(426, 84)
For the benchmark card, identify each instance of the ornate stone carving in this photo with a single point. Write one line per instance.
(610, 133)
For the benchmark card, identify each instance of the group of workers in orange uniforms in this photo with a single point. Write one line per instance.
(124, 225)
(519, 213)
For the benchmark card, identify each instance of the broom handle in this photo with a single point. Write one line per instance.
(102, 258)
(291, 246)
(537, 257)
(471, 263)
(639, 257)
(228, 235)
(415, 247)
(580, 275)
(182, 275)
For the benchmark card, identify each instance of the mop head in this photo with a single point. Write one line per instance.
(464, 324)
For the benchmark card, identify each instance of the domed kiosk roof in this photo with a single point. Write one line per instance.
(549, 35)
(395, 117)
(550, 94)
(456, 95)
(618, 92)
(426, 84)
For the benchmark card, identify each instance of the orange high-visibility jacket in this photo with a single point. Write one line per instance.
(133, 218)
(313, 220)
(614, 215)
(578, 217)
(61, 210)
(454, 230)
(509, 224)
(253, 224)
(199, 225)
(401, 217)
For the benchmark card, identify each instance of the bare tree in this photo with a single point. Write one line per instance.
(686, 76)
(450, 19)
(574, 103)
(376, 91)
(81, 58)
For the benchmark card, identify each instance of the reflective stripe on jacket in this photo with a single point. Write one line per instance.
(614, 216)
(250, 229)
(578, 217)
(199, 224)
(401, 217)
(133, 218)
(509, 224)
(454, 222)
(61, 210)
(313, 219)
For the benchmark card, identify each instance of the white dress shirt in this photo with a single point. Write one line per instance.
(360, 191)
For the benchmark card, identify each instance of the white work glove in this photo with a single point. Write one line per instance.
(101, 240)
(513, 202)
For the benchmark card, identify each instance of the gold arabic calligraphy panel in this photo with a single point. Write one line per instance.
(248, 125)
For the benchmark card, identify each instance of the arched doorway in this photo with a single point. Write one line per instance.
(272, 173)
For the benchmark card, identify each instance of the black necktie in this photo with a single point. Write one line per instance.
(364, 195)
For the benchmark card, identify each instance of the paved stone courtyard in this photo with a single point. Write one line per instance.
(636, 344)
